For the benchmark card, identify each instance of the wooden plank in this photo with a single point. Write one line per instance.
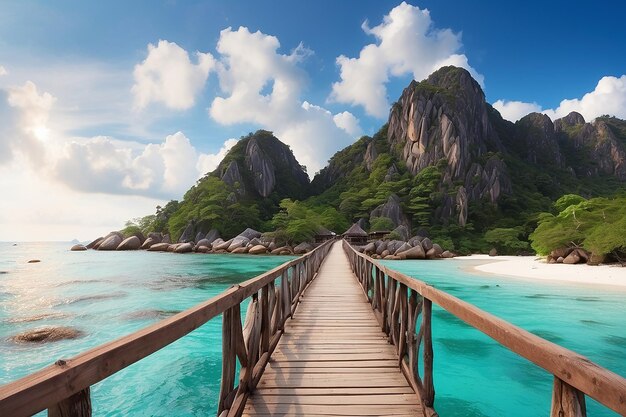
(372, 399)
(332, 391)
(342, 410)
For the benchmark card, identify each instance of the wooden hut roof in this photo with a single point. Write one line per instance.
(355, 230)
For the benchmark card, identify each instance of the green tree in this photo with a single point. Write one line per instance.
(381, 224)
(506, 240)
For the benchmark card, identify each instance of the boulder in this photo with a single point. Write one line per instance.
(402, 231)
(250, 234)
(402, 248)
(166, 239)
(156, 237)
(47, 334)
(376, 256)
(551, 260)
(278, 250)
(212, 235)
(303, 248)
(111, 242)
(381, 245)
(427, 244)
(188, 233)
(238, 242)
(240, 250)
(384, 253)
(199, 237)
(392, 257)
(223, 245)
(434, 252)
(159, 247)
(78, 248)
(95, 243)
(394, 245)
(149, 242)
(202, 249)
(560, 252)
(582, 254)
(416, 252)
(184, 248)
(572, 259)
(370, 248)
(131, 243)
(286, 252)
(204, 242)
(415, 240)
(256, 241)
(172, 247)
(257, 250)
(392, 209)
(272, 246)
(493, 252)
(559, 260)
(447, 254)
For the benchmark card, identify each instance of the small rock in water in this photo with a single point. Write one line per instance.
(47, 334)
(34, 261)
(78, 248)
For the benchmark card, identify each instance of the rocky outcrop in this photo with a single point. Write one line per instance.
(392, 210)
(95, 243)
(261, 167)
(111, 241)
(78, 247)
(303, 248)
(130, 243)
(189, 233)
(537, 141)
(250, 234)
(159, 247)
(232, 176)
(370, 155)
(212, 235)
(445, 117)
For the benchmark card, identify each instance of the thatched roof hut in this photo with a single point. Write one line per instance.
(323, 234)
(355, 235)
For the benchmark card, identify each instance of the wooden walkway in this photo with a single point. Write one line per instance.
(333, 359)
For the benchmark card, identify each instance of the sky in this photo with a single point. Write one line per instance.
(108, 109)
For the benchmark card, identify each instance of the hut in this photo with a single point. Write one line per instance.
(323, 234)
(355, 235)
(378, 234)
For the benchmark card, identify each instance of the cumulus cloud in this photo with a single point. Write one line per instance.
(32, 131)
(515, 110)
(3, 71)
(609, 97)
(262, 86)
(407, 43)
(168, 76)
(208, 162)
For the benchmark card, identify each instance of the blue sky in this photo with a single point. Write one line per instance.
(98, 109)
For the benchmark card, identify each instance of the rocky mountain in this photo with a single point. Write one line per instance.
(260, 165)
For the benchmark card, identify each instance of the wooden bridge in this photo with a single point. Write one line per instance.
(332, 333)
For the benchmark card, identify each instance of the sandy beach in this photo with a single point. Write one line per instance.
(533, 267)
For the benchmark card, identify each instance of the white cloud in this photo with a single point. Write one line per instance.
(348, 122)
(168, 76)
(408, 43)
(263, 86)
(208, 162)
(515, 110)
(609, 97)
(3, 71)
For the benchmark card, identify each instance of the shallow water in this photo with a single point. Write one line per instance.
(475, 376)
(110, 294)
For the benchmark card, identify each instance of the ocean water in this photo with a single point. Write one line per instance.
(475, 376)
(110, 294)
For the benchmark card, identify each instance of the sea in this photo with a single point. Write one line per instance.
(105, 295)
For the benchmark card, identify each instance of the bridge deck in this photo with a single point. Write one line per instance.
(333, 359)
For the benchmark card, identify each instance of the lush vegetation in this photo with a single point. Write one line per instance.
(597, 225)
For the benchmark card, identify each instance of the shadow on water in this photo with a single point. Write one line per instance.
(150, 314)
(619, 341)
(588, 299)
(466, 347)
(543, 296)
(456, 407)
(449, 318)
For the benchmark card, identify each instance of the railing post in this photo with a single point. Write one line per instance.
(77, 405)
(429, 387)
(228, 361)
(567, 401)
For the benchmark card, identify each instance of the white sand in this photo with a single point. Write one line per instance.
(535, 268)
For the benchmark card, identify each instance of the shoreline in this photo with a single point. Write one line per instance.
(535, 268)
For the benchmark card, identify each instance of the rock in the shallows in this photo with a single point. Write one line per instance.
(238, 242)
(184, 248)
(130, 243)
(203, 242)
(447, 254)
(78, 248)
(303, 248)
(416, 252)
(34, 261)
(149, 242)
(258, 249)
(159, 247)
(110, 243)
(95, 243)
(47, 334)
(434, 252)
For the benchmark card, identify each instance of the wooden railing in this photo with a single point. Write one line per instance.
(398, 301)
(63, 388)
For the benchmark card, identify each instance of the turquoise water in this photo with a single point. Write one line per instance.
(110, 294)
(476, 377)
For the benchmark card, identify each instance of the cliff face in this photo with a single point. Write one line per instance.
(446, 117)
(263, 165)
